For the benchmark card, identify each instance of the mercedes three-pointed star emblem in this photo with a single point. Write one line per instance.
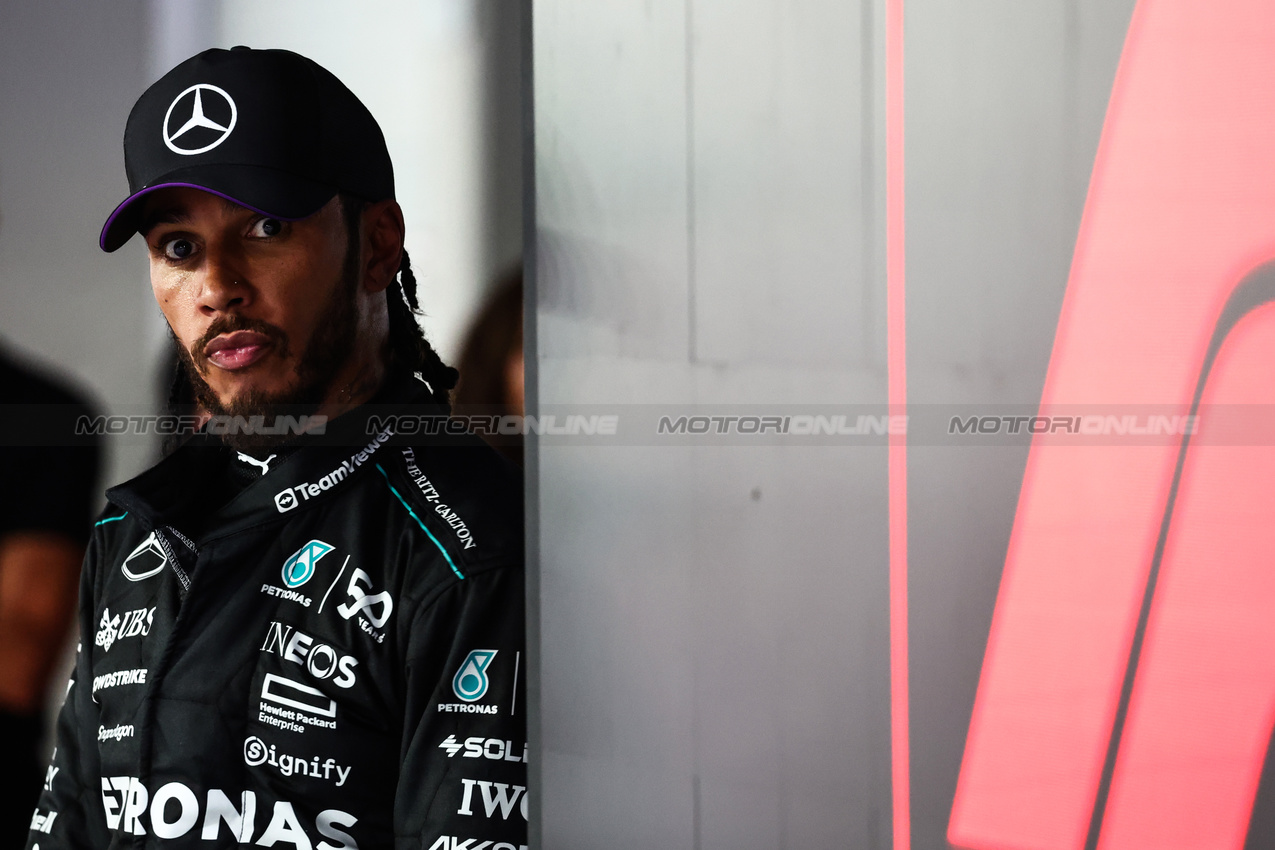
(198, 118)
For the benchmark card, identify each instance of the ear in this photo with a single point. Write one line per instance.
(383, 232)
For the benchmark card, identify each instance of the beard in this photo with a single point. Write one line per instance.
(330, 347)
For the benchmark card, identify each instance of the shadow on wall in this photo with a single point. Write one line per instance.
(491, 362)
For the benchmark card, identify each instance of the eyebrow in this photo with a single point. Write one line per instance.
(180, 215)
(169, 215)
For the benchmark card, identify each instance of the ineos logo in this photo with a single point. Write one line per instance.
(189, 113)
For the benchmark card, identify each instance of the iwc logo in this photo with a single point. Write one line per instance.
(199, 119)
(147, 560)
(470, 682)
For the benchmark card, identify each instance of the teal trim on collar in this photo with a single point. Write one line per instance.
(413, 515)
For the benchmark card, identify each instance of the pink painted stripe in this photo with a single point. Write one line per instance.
(896, 368)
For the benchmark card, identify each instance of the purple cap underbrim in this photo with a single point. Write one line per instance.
(118, 216)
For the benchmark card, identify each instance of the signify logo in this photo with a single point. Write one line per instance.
(299, 568)
(257, 753)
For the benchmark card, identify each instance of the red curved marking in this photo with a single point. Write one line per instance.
(1203, 702)
(1181, 205)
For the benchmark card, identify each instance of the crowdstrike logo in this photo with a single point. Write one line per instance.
(470, 682)
(299, 567)
(147, 560)
(199, 119)
(286, 500)
(136, 676)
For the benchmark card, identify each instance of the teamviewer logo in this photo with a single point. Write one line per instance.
(285, 500)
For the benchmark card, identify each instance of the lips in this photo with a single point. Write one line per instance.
(237, 350)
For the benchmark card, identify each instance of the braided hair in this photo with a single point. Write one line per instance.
(409, 349)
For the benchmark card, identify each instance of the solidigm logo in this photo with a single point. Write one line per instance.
(470, 683)
(298, 569)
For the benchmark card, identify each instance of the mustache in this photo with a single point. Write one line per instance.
(230, 324)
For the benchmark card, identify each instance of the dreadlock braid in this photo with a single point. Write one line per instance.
(409, 349)
(408, 341)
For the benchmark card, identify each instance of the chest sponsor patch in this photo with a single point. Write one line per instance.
(120, 677)
(319, 659)
(135, 623)
(373, 609)
(176, 810)
(293, 706)
(298, 569)
(257, 753)
(454, 842)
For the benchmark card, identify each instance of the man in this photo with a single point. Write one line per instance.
(47, 489)
(312, 641)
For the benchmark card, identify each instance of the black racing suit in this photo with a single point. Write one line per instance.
(333, 659)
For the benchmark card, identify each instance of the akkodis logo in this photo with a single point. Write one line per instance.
(470, 682)
(299, 567)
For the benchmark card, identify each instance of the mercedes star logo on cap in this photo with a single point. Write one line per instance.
(199, 119)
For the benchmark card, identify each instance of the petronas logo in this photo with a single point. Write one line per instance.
(470, 683)
(298, 569)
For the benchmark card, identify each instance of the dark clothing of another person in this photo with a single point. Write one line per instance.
(47, 484)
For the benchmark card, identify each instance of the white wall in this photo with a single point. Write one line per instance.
(69, 72)
(711, 629)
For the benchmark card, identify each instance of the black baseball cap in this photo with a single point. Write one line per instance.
(270, 130)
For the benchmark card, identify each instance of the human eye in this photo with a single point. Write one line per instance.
(177, 249)
(266, 228)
